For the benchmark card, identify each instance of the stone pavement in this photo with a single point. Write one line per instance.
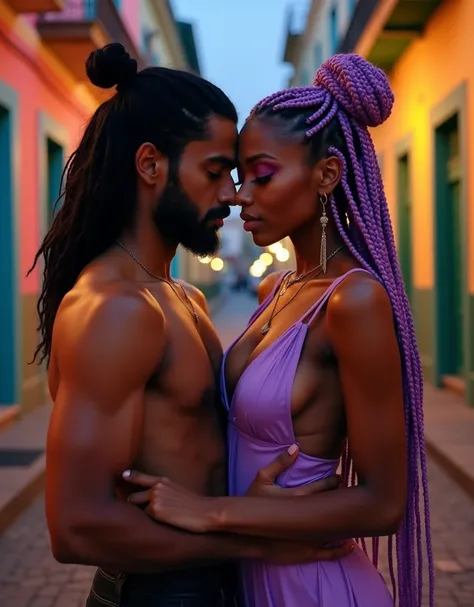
(29, 576)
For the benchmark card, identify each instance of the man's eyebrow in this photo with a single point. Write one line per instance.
(225, 161)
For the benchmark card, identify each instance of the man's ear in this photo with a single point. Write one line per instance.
(151, 165)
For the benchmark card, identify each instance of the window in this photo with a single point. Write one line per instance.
(318, 55)
(304, 79)
(333, 31)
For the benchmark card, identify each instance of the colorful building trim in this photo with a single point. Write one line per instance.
(45, 101)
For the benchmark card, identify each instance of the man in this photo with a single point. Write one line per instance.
(133, 357)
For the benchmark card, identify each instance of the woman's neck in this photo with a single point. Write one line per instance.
(307, 244)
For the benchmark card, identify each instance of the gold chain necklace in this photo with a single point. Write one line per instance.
(291, 281)
(286, 283)
(187, 303)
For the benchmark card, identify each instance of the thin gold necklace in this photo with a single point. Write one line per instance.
(291, 281)
(187, 303)
(268, 325)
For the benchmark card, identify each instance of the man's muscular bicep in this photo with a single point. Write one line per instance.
(104, 362)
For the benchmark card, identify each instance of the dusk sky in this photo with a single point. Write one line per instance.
(240, 45)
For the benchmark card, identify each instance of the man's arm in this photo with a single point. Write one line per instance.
(104, 362)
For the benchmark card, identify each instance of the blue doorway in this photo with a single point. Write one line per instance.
(9, 304)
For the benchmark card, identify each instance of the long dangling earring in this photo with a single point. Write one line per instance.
(324, 222)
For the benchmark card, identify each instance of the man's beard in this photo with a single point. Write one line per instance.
(177, 218)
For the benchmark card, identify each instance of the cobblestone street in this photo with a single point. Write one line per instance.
(29, 576)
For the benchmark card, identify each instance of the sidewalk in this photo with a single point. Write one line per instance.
(449, 434)
(449, 430)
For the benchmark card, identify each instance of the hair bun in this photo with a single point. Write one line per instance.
(359, 87)
(110, 66)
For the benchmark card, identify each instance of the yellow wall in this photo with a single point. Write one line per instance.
(432, 68)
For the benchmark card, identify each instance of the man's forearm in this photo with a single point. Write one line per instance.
(123, 537)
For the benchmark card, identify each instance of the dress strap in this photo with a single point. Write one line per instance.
(316, 308)
(269, 297)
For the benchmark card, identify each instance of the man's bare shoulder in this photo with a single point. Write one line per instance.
(196, 295)
(99, 322)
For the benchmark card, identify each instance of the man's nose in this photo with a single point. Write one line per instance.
(227, 194)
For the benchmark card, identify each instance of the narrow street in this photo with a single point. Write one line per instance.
(29, 576)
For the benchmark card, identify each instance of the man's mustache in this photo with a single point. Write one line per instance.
(218, 213)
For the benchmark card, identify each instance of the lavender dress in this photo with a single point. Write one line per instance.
(260, 427)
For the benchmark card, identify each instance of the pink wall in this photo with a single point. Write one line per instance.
(38, 90)
(130, 11)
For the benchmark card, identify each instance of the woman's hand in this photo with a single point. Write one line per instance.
(170, 503)
(264, 483)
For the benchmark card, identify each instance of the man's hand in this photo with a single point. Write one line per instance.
(264, 483)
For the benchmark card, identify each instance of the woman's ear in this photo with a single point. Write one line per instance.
(327, 173)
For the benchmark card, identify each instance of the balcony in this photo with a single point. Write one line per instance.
(82, 27)
(382, 30)
(35, 6)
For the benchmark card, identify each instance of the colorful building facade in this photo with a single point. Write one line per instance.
(425, 153)
(314, 32)
(45, 102)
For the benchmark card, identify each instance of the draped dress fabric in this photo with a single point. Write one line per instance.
(260, 427)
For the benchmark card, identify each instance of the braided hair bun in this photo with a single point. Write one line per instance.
(359, 87)
(111, 66)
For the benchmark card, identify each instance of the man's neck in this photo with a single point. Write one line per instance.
(151, 253)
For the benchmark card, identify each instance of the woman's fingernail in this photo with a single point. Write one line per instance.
(126, 473)
(293, 449)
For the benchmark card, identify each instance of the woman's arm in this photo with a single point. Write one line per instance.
(361, 330)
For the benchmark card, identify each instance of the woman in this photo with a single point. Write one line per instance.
(328, 364)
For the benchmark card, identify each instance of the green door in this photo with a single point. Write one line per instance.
(405, 222)
(55, 163)
(449, 253)
(8, 277)
(455, 307)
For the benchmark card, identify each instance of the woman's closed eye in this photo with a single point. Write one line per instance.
(263, 179)
(263, 173)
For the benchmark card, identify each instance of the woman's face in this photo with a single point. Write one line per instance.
(280, 188)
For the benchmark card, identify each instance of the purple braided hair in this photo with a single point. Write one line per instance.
(352, 94)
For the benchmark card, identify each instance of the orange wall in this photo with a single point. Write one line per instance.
(42, 85)
(431, 68)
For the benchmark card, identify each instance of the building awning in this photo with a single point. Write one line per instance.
(382, 30)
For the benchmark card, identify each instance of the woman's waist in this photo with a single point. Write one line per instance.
(250, 455)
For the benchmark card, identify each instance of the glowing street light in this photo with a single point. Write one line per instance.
(205, 259)
(274, 248)
(217, 264)
(253, 271)
(266, 258)
(283, 254)
(257, 268)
